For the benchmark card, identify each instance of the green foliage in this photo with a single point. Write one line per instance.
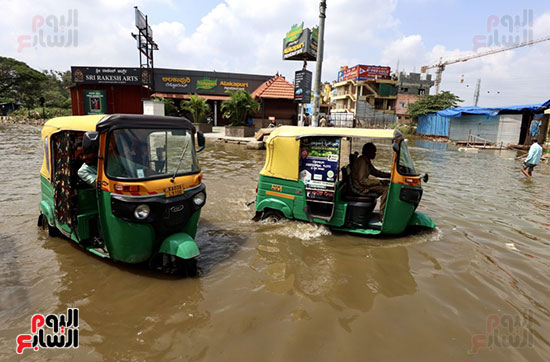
(239, 107)
(406, 129)
(24, 114)
(170, 108)
(55, 89)
(19, 82)
(433, 103)
(197, 106)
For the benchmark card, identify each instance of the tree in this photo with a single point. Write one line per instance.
(55, 89)
(170, 108)
(433, 103)
(239, 106)
(19, 82)
(197, 106)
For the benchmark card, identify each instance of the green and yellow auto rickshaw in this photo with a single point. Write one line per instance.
(145, 201)
(304, 178)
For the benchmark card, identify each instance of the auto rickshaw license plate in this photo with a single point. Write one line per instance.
(174, 190)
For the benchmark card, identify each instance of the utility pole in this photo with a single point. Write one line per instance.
(319, 64)
(476, 92)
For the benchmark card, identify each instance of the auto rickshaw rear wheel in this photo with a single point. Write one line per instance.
(43, 223)
(272, 215)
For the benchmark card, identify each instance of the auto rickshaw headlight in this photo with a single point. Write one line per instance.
(199, 198)
(142, 211)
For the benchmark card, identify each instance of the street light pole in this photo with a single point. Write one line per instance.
(319, 63)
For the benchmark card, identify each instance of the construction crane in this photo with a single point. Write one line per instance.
(440, 67)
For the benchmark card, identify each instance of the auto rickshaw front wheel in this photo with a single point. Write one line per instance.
(171, 264)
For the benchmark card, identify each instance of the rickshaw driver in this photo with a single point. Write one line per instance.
(362, 168)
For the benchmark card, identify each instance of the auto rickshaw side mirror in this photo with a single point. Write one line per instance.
(425, 177)
(395, 147)
(200, 141)
(90, 142)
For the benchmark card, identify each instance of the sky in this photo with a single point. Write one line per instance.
(245, 36)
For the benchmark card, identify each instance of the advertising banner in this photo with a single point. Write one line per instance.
(319, 160)
(189, 81)
(300, 44)
(95, 102)
(302, 86)
(364, 72)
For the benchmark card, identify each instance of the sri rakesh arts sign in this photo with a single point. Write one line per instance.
(106, 75)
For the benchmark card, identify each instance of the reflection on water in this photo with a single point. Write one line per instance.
(294, 291)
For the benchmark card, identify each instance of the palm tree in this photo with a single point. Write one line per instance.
(239, 106)
(197, 106)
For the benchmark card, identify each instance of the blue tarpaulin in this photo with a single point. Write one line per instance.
(492, 111)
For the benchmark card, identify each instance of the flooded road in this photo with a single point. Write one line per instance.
(294, 291)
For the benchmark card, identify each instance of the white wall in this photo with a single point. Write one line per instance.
(153, 108)
(509, 129)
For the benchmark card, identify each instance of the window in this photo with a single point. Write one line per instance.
(404, 90)
(421, 92)
(150, 153)
(402, 104)
(405, 166)
(47, 153)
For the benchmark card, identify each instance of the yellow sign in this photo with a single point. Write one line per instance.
(294, 48)
(182, 80)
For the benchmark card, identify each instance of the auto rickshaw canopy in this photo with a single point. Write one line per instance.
(74, 123)
(283, 146)
(103, 123)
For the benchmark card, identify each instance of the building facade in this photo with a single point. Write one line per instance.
(107, 90)
(513, 125)
(364, 96)
(411, 86)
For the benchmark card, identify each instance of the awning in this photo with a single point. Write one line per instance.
(457, 112)
(187, 96)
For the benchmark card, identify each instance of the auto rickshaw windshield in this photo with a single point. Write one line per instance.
(405, 165)
(134, 154)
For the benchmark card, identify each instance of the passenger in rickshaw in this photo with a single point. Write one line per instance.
(88, 171)
(361, 183)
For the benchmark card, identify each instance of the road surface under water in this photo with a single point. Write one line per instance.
(294, 291)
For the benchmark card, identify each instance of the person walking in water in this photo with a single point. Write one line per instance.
(533, 158)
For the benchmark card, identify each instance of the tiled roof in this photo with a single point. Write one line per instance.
(276, 87)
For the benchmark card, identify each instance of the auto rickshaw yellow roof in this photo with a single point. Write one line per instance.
(283, 146)
(77, 123)
(299, 132)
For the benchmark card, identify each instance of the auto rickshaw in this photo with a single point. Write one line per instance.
(144, 205)
(301, 180)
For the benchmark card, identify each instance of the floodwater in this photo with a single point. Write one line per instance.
(294, 291)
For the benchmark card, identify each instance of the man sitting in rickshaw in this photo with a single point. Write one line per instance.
(362, 168)
(88, 171)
